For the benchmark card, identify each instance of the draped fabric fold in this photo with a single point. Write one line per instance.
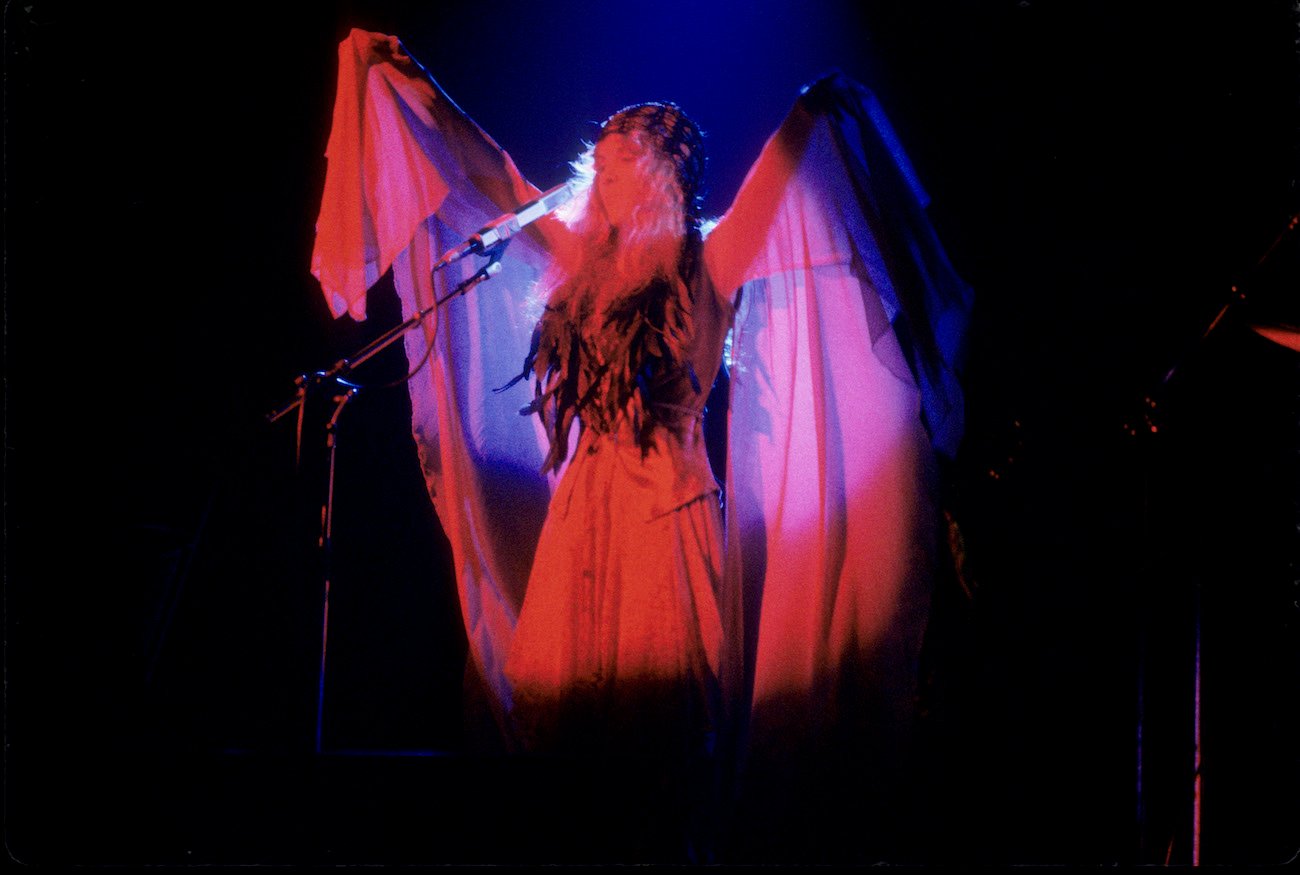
(845, 358)
(408, 177)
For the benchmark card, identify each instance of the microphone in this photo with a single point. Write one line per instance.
(507, 226)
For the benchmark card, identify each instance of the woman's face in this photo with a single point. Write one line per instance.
(620, 181)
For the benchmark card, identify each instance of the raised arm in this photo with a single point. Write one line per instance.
(834, 187)
(400, 150)
(737, 249)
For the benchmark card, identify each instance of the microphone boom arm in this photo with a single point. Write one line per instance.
(501, 229)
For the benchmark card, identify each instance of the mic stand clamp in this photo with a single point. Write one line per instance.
(491, 269)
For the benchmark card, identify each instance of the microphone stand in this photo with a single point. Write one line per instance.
(326, 547)
(336, 374)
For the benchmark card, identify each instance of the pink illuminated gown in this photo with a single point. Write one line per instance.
(619, 641)
(801, 627)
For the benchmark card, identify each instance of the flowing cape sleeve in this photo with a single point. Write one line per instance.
(408, 177)
(844, 386)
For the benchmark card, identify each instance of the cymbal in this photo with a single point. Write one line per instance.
(1286, 335)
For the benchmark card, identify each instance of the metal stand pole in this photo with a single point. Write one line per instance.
(1145, 424)
(326, 546)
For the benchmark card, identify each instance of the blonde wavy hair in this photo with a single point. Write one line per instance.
(623, 289)
(607, 263)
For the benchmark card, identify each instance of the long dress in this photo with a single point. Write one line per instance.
(619, 642)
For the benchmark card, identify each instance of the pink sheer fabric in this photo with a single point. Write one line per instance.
(830, 516)
(831, 513)
(399, 153)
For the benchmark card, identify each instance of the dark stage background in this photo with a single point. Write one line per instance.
(1103, 173)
